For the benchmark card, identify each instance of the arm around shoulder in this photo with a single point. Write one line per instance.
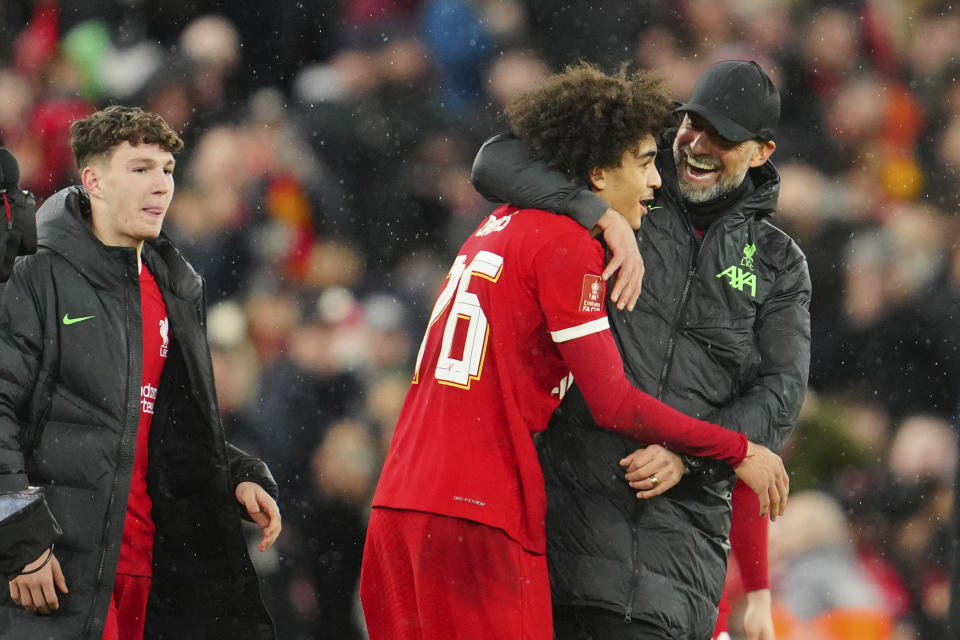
(504, 171)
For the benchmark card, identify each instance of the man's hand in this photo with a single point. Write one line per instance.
(763, 471)
(262, 509)
(758, 615)
(624, 255)
(37, 591)
(652, 470)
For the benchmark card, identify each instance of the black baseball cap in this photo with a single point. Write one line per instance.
(738, 100)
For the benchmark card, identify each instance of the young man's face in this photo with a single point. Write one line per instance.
(629, 187)
(709, 166)
(129, 192)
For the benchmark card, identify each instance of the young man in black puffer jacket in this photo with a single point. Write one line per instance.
(109, 426)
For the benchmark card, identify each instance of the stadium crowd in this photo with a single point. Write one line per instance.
(325, 185)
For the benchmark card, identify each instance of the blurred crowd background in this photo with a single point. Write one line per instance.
(325, 187)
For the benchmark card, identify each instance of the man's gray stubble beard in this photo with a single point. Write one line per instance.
(718, 190)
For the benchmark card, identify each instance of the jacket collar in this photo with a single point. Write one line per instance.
(63, 226)
(171, 269)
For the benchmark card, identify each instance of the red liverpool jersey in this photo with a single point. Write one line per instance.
(489, 374)
(136, 549)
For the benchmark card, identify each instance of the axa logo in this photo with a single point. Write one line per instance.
(740, 278)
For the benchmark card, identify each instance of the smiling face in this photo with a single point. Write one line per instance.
(709, 166)
(130, 189)
(629, 187)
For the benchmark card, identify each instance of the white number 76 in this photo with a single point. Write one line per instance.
(466, 306)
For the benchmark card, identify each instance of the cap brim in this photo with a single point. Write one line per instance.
(726, 127)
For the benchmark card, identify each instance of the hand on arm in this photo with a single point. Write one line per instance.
(35, 589)
(763, 471)
(649, 463)
(624, 257)
(504, 171)
(618, 406)
(263, 511)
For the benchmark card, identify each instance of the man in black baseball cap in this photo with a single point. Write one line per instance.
(727, 129)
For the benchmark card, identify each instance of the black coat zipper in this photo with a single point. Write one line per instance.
(133, 397)
(635, 567)
(691, 272)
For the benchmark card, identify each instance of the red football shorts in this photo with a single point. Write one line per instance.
(431, 577)
(128, 608)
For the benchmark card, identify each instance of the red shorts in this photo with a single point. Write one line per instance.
(431, 577)
(128, 608)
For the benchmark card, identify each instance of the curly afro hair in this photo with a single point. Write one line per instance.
(582, 118)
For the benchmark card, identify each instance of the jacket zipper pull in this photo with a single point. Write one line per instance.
(628, 618)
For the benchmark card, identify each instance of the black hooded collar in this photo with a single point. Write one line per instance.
(63, 226)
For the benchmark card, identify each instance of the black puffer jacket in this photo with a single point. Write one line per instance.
(721, 331)
(69, 412)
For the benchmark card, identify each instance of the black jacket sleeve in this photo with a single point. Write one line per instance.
(504, 171)
(21, 355)
(246, 468)
(27, 526)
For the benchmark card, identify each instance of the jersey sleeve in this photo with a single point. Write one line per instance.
(570, 289)
(748, 538)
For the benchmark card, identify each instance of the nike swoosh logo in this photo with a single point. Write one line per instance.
(67, 320)
(656, 206)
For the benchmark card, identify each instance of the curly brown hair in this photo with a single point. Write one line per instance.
(99, 132)
(582, 118)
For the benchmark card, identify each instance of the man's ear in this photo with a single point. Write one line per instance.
(598, 179)
(90, 179)
(762, 153)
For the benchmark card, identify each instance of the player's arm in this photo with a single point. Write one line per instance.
(565, 270)
(748, 543)
(618, 406)
(504, 171)
(748, 539)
